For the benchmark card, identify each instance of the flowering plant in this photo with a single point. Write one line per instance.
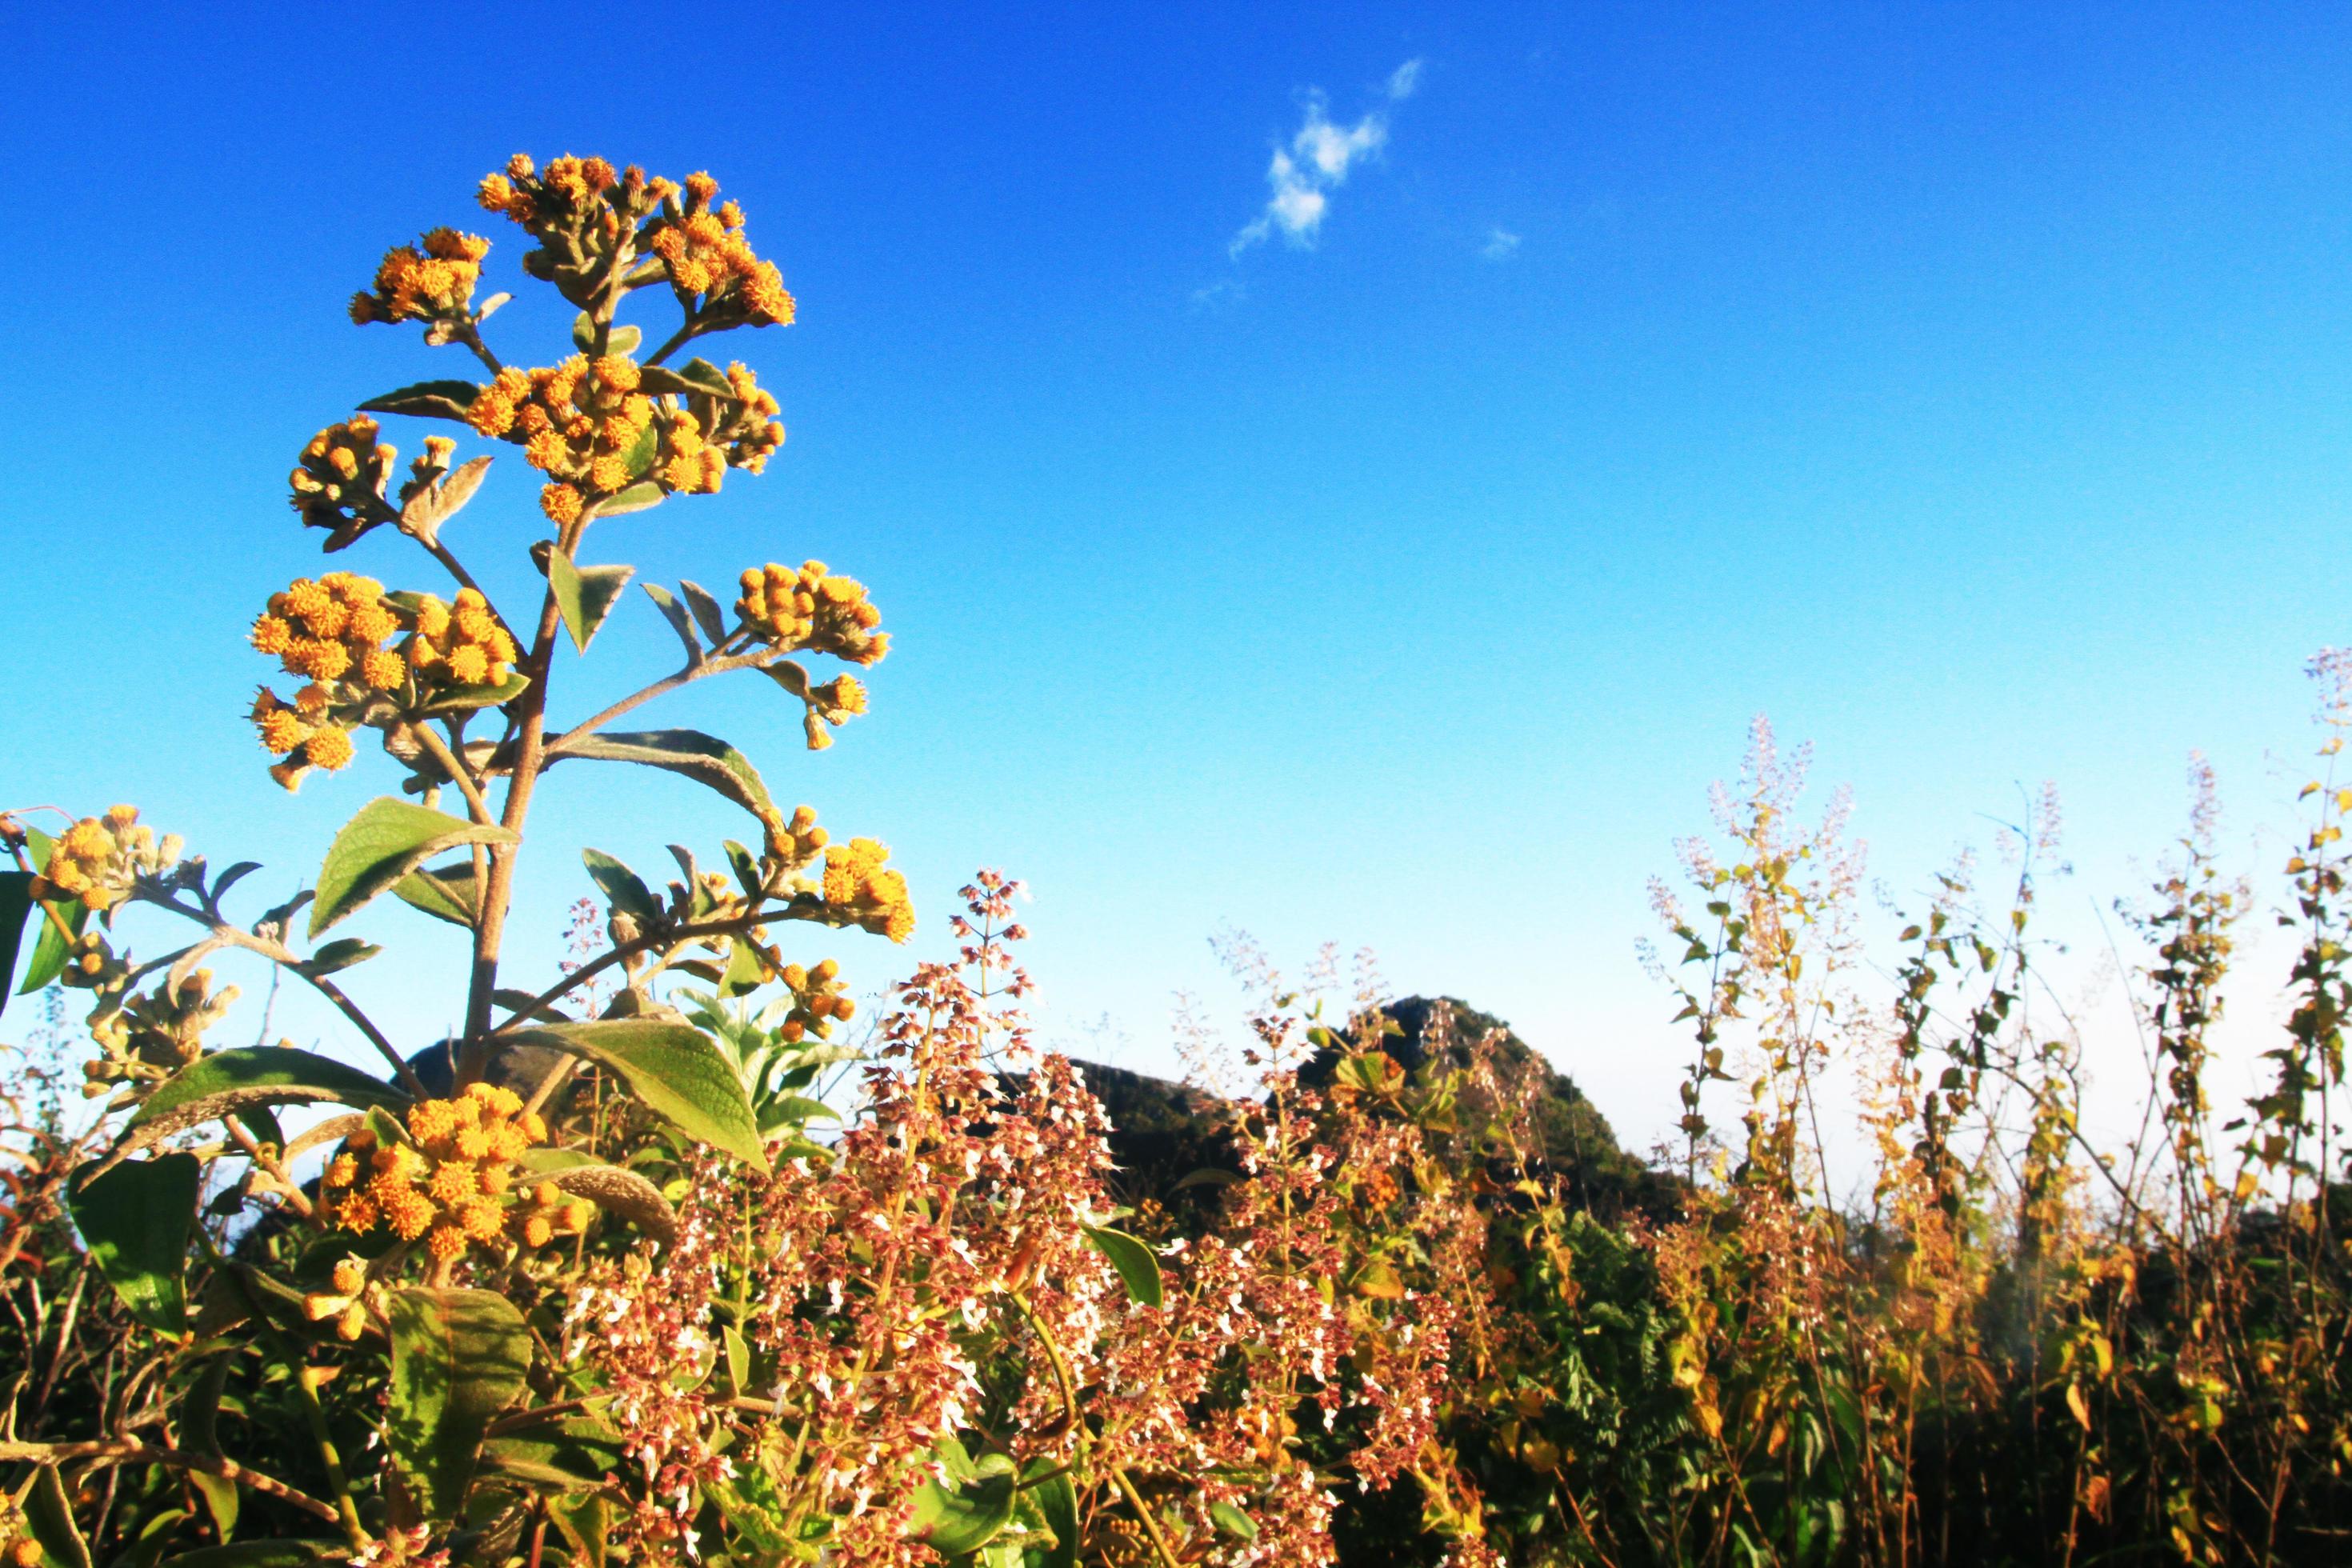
(578, 1284)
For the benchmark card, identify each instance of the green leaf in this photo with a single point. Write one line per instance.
(1139, 1268)
(704, 376)
(387, 840)
(445, 892)
(16, 905)
(51, 950)
(621, 1192)
(640, 497)
(466, 699)
(681, 1074)
(136, 1219)
(291, 1077)
(340, 953)
(1232, 1520)
(580, 1517)
(583, 332)
(746, 969)
(708, 614)
(49, 1517)
(261, 1554)
(623, 888)
(458, 1357)
(220, 1498)
(1058, 1501)
(675, 614)
(584, 595)
(706, 759)
(639, 454)
(966, 1516)
(426, 400)
(623, 339)
(746, 867)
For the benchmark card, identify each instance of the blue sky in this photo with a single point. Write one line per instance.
(1964, 386)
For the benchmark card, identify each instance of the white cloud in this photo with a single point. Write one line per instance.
(1304, 173)
(1500, 243)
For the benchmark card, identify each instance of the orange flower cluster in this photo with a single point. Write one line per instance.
(432, 283)
(711, 266)
(461, 645)
(834, 702)
(584, 424)
(570, 188)
(793, 841)
(857, 884)
(331, 633)
(98, 859)
(815, 610)
(744, 428)
(454, 1182)
(817, 1001)
(342, 470)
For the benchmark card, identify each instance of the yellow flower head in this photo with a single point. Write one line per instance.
(857, 884)
(431, 280)
(337, 483)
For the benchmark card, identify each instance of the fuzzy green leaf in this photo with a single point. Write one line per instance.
(466, 699)
(706, 759)
(296, 1077)
(623, 888)
(708, 613)
(383, 842)
(426, 400)
(136, 1219)
(445, 893)
(640, 497)
(680, 1074)
(458, 1357)
(675, 614)
(584, 595)
(339, 954)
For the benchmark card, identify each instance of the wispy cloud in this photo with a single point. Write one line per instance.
(1303, 172)
(1500, 243)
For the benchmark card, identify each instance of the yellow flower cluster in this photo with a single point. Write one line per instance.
(454, 1181)
(857, 884)
(834, 702)
(796, 840)
(459, 645)
(570, 185)
(744, 430)
(342, 470)
(583, 424)
(433, 282)
(711, 266)
(97, 858)
(817, 1000)
(812, 609)
(331, 633)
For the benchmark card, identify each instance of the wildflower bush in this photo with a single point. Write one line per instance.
(679, 1254)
